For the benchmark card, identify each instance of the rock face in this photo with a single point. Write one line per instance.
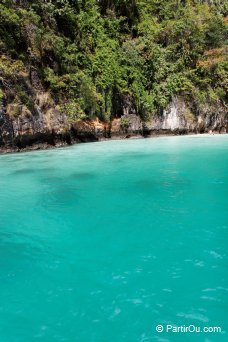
(174, 116)
(178, 118)
(46, 126)
(19, 128)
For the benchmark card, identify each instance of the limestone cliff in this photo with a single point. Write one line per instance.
(76, 71)
(47, 126)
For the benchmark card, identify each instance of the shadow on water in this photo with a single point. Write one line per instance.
(32, 170)
(82, 175)
(60, 197)
(66, 191)
(18, 244)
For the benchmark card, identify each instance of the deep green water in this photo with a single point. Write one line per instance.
(101, 242)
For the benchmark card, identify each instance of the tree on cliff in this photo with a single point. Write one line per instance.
(93, 56)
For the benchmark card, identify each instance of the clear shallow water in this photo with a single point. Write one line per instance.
(101, 242)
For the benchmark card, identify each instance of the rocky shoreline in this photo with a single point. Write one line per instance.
(51, 129)
(50, 143)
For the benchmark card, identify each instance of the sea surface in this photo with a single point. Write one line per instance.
(102, 242)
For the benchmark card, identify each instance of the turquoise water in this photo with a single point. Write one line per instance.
(101, 242)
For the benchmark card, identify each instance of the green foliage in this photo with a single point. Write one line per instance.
(1, 96)
(73, 110)
(125, 123)
(216, 32)
(9, 68)
(91, 54)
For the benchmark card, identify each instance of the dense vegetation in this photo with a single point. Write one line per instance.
(95, 56)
